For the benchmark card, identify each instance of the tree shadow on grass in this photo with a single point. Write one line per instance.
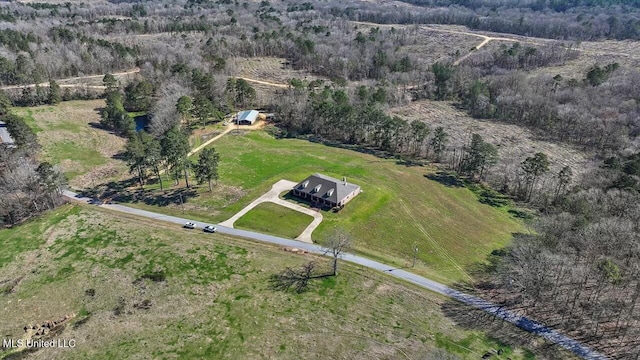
(493, 198)
(446, 178)
(120, 155)
(359, 148)
(125, 191)
(97, 125)
(411, 162)
(108, 190)
(163, 198)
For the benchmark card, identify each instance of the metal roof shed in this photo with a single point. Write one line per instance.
(247, 117)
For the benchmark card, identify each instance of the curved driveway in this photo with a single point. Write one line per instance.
(520, 321)
(273, 196)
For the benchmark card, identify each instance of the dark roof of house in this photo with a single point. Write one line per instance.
(326, 187)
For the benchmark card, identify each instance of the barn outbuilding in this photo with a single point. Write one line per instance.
(247, 117)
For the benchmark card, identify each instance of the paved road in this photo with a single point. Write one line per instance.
(520, 321)
(5, 138)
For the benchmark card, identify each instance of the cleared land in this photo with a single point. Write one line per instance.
(626, 53)
(170, 292)
(269, 69)
(270, 218)
(514, 142)
(399, 206)
(70, 138)
(432, 45)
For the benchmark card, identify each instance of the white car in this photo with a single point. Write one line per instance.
(189, 225)
(210, 229)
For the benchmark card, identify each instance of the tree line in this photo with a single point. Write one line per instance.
(27, 186)
(564, 20)
(595, 111)
(579, 270)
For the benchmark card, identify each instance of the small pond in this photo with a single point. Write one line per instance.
(142, 122)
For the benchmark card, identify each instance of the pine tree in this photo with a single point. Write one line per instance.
(207, 167)
(55, 95)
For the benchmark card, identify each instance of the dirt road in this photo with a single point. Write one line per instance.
(485, 39)
(257, 126)
(62, 82)
(284, 86)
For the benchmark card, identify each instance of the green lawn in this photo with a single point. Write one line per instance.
(398, 209)
(273, 219)
(209, 297)
(399, 206)
(85, 157)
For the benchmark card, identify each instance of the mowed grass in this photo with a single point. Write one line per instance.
(70, 139)
(399, 206)
(398, 210)
(209, 297)
(274, 219)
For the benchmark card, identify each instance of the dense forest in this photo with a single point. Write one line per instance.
(577, 272)
(561, 19)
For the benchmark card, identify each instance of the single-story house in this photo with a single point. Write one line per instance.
(326, 191)
(247, 117)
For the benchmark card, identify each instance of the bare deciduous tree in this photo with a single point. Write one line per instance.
(339, 242)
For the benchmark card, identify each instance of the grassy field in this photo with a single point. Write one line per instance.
(274, 219)
(175, 293)
(70, 139)
(398, 209)
(399, 206)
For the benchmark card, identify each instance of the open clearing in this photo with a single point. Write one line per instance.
(399, 206)
(179, 293)
(269, 69)
(626, 53)
(514, 142)
(274, 219)
(70, 139)
(432, 45)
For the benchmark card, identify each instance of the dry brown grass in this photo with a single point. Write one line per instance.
(514, 142)
(223, 308)
(268, 69)
(626, 53)
(70, 139)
